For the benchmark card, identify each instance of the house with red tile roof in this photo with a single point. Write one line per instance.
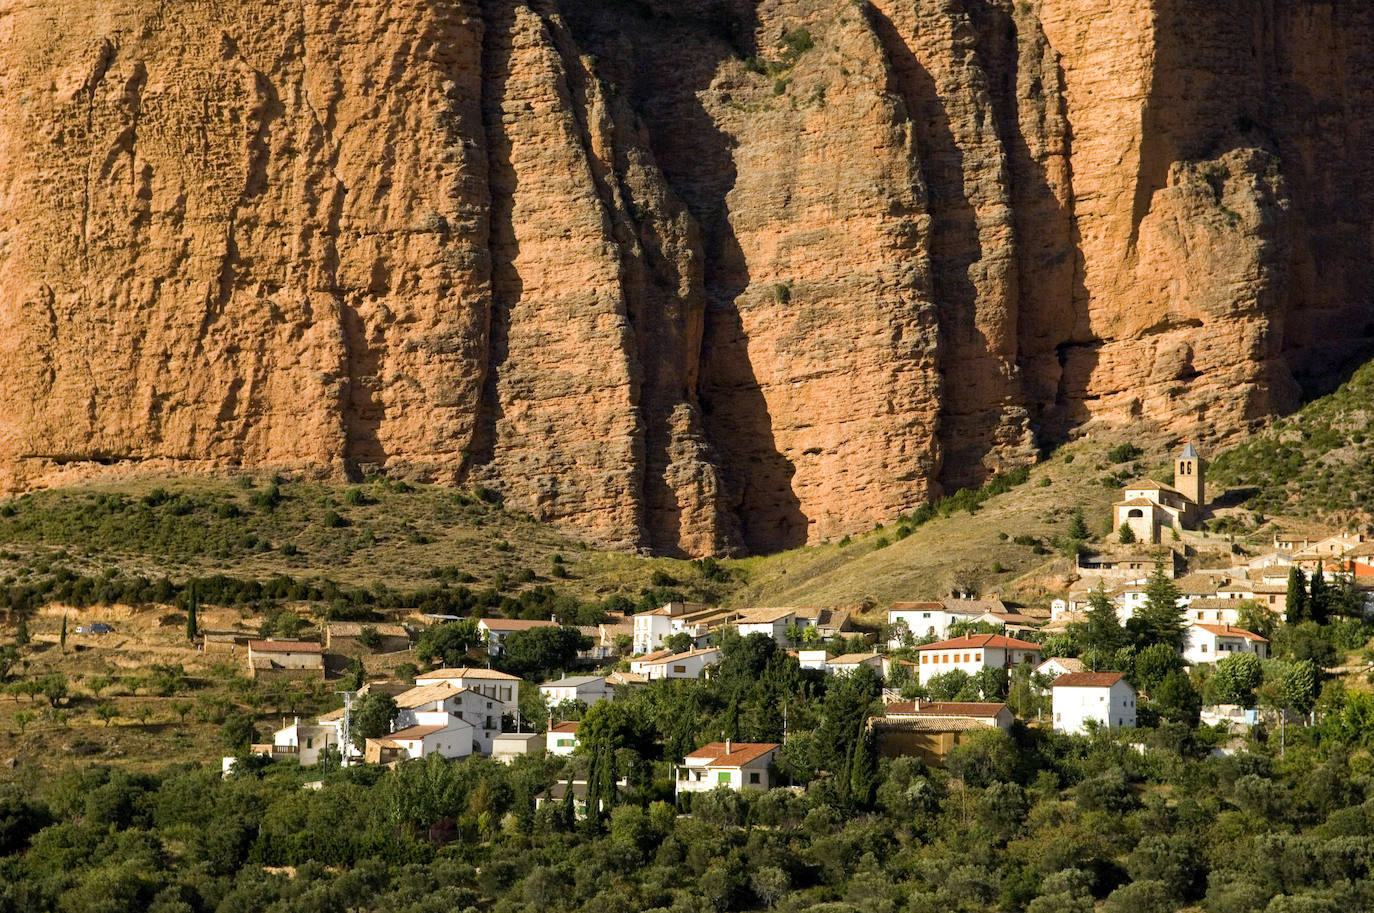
(973, 653)
(1206, 643)
(1082, 698)
(733, 765)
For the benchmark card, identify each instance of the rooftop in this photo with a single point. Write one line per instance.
(944, 708)
(1232, 631)
(283, 646)
(515, 624)
(916, 606)
(849, 659)
(732, 754)
(565, 726)
(466, 672)
(981, 641)
(518, 737)
(424, 694)
(1067, 663)
(1087, 680)
(411, 733)
(764, 616)
(576, 681)
(354, 628)
(1150, 485)
(678, 657)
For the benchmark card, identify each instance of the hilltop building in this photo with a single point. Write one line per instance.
(1147, 506)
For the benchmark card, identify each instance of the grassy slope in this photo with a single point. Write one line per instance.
(925, 563)
(1317, 464)
(399, 536)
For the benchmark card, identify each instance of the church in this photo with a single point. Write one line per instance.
(1148, 507)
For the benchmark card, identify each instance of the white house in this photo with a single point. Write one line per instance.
(1056, 666)
(735, 765)
(434, 733)
(812, 659)
(498, 629)
(585, 688)
(681, 665)
(562, 738)
(974, 653)
(511, 745)
(481, 710)
(915, 620)
(1105, 697)
(650, 628)
(770, 622)
(640, 664)
(303, 742)
(851, 662)
(1204, 643)
(499, 686)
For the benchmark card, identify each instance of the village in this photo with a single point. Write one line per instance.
(945, 666)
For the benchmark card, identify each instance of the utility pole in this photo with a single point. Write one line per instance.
(346, 728)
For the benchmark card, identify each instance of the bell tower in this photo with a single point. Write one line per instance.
(1190, 475)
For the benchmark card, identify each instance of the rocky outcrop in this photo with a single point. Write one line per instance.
(694, 276)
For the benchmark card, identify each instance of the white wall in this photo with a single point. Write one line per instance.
(1073, 707)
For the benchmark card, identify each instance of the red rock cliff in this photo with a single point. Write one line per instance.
(687, 275)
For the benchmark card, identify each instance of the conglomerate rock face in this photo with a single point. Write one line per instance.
(694, 276)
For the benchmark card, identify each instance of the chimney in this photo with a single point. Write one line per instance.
(727, 746)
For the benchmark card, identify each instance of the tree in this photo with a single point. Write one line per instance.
(54, 688)
(449, 643)
(21, 631)
(356, 674)
(369, 637)
(237, 733)
(947, 685)
(1236, 678)
(1258, 618)
(1298, 684)
(1318, 598)
(1100, 629)
(1153, 664)
(192, 611)
(1297, 596)
(9, 656)
(1125, 535)
(1160, 621)
(106, 711)
(1177, 700)
(62, 637)
(1305, 640)
(373, 715)
(1077, 528)
(543, 649)
(680, 642)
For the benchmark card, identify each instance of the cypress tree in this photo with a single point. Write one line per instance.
(1318, 598)
(62, 638)
(192, 623)
(1297, 596)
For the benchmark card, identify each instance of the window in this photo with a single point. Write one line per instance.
(977, 657)
(680, 669)
(723, 777)
(925, 658)
(1135, 512)
(753, 776)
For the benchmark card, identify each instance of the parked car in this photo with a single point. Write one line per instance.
(98, 627)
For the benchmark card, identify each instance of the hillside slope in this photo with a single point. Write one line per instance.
(1317, 464)
(699, 276)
